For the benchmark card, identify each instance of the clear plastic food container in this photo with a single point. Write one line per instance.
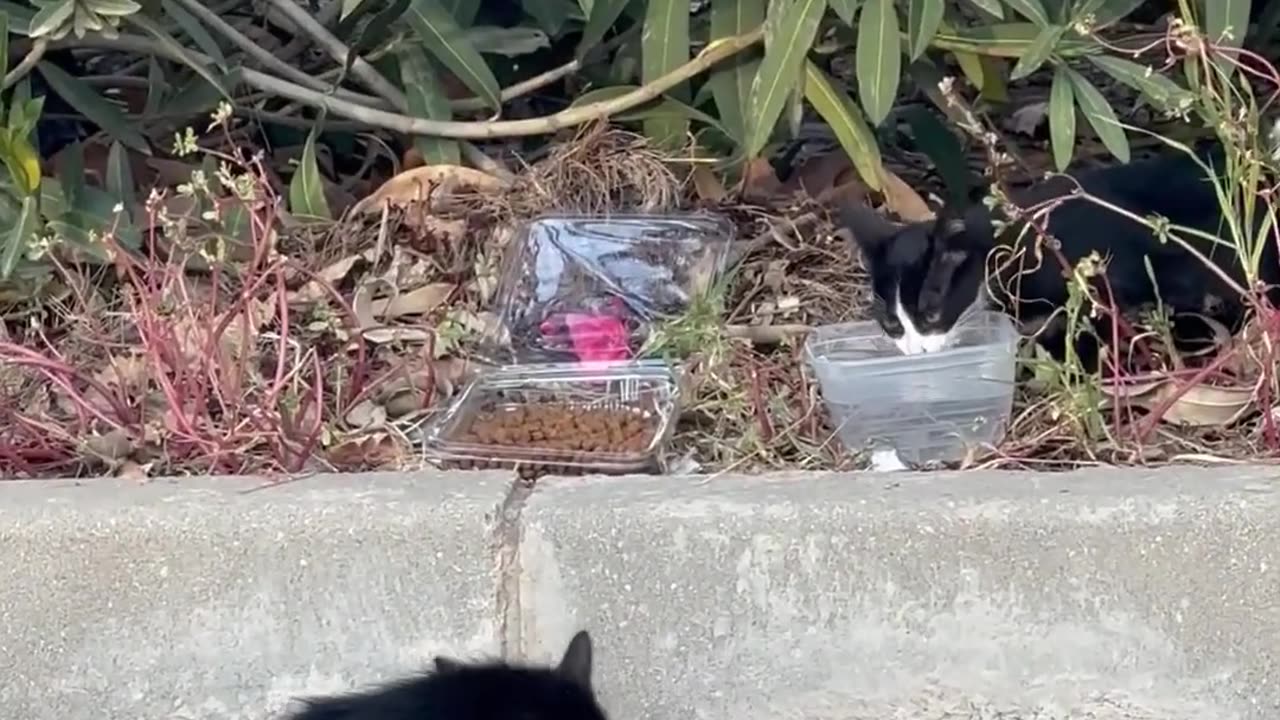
(553, 419)
(928, 408)
(587, 288)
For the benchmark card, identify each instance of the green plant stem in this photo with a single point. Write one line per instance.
(299, 43)
(711, 55)
(263, 56)
(338, 50)
(28, 62)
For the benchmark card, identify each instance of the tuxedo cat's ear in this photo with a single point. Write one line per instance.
(444, 664)
(328, 708)
(964, 232)
(948, 225)
(576, 663)
(869, 228)
(979, 228)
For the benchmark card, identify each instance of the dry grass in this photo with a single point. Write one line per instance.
(297, 382)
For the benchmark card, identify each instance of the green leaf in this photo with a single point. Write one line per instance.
(348, 7)
(923, 19)
(789, 33)
(464, 11)
(71, 172)
(991, 6)
(1166, 94)
(21, 159)
(878, 59)
(845, 9)
(119, 175)
(112, 8)
(24, 114)
(20, 16)
(1062, 119)
(1032, 10)
(196, 97)
(18, 238)
(89, 103)
(306, 191)
(1007, 40)
(157, 87)
(19, 100)
(1226, 21)
(604, 13)
(196, 31)
(1041, 48)
(1101, 117)
(175, 48)
(551, 15)
(4, 44)
(439, 31)
(730, 81)
(664, 46)
(508, 42)
(846, 121)
(940, 144)
(371, 33)
(51, 17)
(663, 107)
(1113, 10)
(427, 100)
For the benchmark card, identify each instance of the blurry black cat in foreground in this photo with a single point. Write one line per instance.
(476, 691)
(926, 275)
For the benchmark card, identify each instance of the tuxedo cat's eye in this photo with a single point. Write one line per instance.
(933, 316)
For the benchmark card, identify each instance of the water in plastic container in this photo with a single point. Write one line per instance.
(929, 408)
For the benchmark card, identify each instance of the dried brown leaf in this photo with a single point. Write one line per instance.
(759, 181)
(405, 402)
(821, 174)
(418, 184)
(135, 471)
(372, 451)
(1206, 405)
(366, 414)
(419, 301)
(362, 306)
(904, 201)
(383, 335)
(331, 274)
(112, 446)
(707, 185)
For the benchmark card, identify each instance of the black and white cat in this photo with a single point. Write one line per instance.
(925, 276)
(476, 691)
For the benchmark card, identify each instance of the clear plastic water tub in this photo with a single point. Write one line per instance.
(931, 407)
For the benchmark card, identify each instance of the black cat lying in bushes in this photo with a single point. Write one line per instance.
(926, 275)
(476, 691)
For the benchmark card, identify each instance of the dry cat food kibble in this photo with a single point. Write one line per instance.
(576, 433)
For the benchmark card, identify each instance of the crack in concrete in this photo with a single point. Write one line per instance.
(506, 546)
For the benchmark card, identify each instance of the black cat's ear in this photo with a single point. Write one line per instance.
(979, 227)
(948, 226)
(445, 665)
(869, 228)
(576, 663)
(329, 708)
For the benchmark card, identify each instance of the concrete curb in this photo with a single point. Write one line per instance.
(1135, 595)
